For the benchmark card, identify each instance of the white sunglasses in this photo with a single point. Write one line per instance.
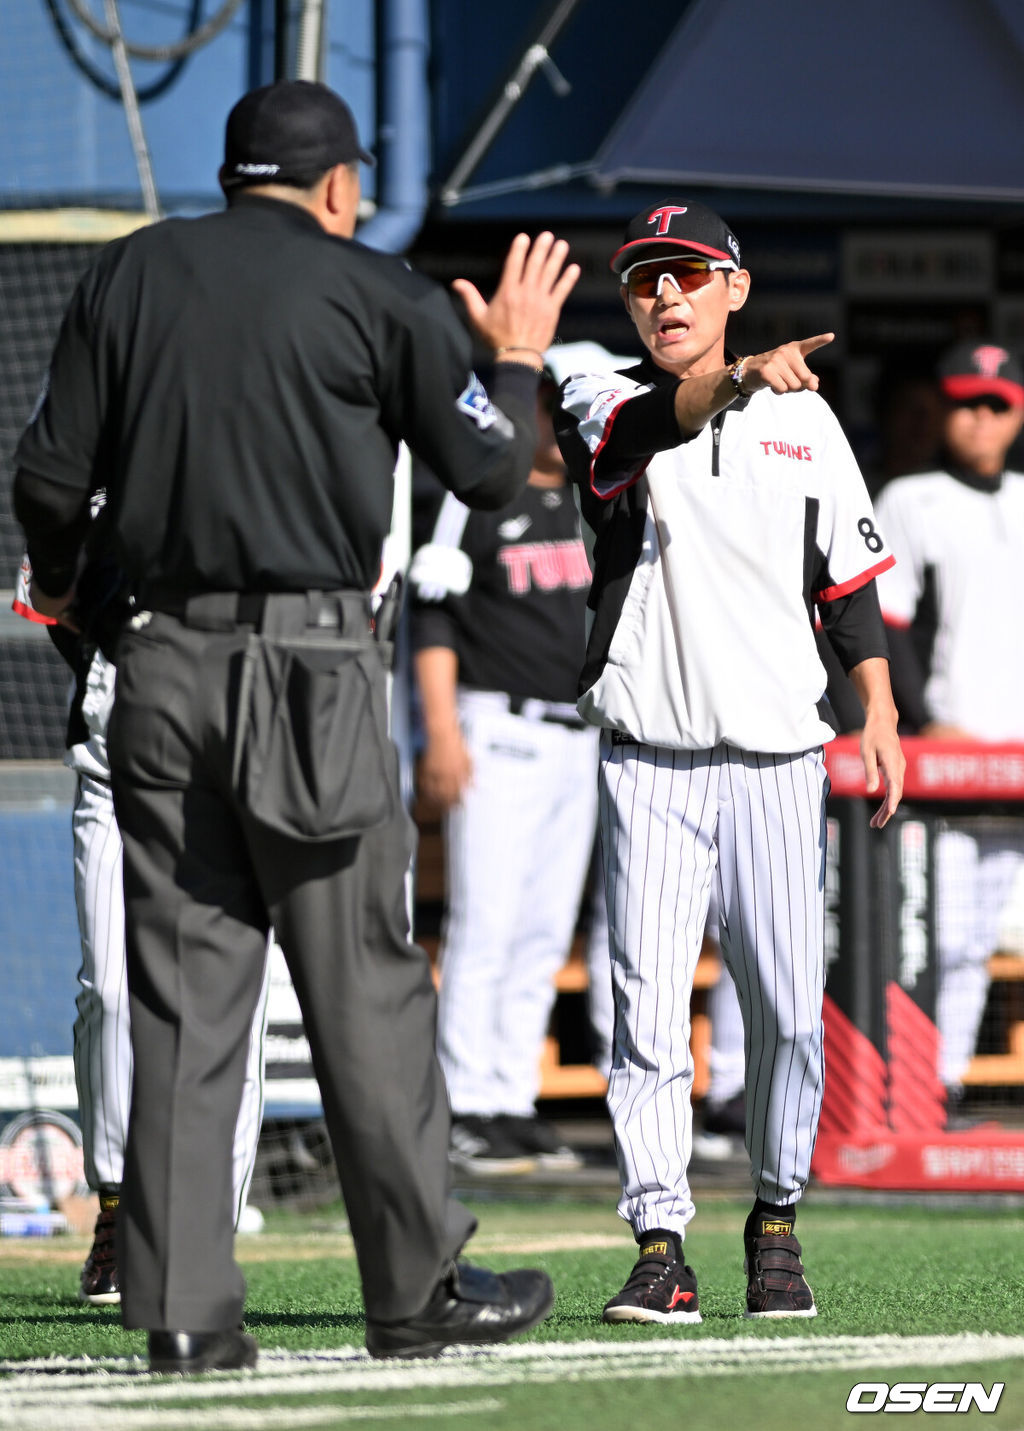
(685, 274)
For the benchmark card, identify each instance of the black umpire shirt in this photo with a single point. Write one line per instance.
(240, 383)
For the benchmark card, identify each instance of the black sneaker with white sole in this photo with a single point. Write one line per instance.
(660, 1288)
(541, 1140)
(99, 1284)
(484, 1146)
(728, 1116)
(776, 1285)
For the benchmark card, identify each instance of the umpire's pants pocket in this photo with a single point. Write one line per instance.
(310, 742)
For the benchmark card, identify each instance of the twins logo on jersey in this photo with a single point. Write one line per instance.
(545, 565)
(800, 451)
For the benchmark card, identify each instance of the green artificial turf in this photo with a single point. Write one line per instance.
(907, 1271)
(904, 1270)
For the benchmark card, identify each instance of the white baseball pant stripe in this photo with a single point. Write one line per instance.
(726, 1061)
(517, 848)
(102, 1038)
(674, 825)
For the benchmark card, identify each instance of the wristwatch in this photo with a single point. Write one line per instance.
(735, 371)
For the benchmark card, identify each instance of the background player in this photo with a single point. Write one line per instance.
(951, 606)
(102, 1035)
(499, 602)
(726, 505)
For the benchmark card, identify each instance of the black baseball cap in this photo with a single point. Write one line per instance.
(288, 130)
(981, 369)
(669, 230)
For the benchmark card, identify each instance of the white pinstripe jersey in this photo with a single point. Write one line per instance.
(738, 532)
(959, 548)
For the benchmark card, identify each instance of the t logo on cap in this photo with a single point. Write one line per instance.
(663, 218)
(989, 359)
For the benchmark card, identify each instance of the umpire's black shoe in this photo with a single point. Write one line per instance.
(186, 1353)
(776, 1285)
(469, 1304)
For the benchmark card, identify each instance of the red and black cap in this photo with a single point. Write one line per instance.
(670, 230)
(288, 130)
(981, 369)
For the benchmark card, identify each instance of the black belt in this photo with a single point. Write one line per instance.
(518, 704)
(225, 610)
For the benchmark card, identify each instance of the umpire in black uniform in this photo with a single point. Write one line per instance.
(239, 383)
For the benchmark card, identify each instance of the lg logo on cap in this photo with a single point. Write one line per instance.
(919, 1396)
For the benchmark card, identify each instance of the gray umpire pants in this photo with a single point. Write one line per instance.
(204, 881)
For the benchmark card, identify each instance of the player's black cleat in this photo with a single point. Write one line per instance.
(99, 1285)
(538, 1138)
(728, 1117)
(189, 1353)
(486, 1147)
(776, 1285)
(660, 1288)
(469, 1305)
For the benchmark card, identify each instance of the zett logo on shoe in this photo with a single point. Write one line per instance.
(776, 1229)
(654, 1249)
(679, 1296)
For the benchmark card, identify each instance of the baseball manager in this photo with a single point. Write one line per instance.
(728, 509)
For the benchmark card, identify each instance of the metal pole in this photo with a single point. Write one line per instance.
(309, 57)
(130, 100)
(535, 58)
(281, 28)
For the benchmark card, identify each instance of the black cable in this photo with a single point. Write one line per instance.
(103, 82)
(193, 41)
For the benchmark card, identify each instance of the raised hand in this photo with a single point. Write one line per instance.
(524, 311)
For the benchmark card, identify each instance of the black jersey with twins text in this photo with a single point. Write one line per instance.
(507, 592)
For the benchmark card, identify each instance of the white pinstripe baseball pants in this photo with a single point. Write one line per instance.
(102, 1034)
(673, 823)
(517, 848)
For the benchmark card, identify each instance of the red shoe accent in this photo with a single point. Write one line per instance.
(678, 1297)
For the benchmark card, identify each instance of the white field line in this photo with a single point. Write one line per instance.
(243, 1418)
(115, 1394)
(274, 1246)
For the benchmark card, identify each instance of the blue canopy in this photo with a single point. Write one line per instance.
(913, 98)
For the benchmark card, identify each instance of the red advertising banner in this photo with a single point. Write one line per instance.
(936, 770)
